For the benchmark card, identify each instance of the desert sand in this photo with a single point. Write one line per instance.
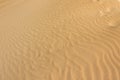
(59, 40)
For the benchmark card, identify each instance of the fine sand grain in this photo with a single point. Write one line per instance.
(59, 40)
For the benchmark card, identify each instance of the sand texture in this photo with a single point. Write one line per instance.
(59, 40)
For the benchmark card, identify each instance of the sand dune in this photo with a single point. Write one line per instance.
(59, 40)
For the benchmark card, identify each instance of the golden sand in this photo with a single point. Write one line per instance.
(59, 40)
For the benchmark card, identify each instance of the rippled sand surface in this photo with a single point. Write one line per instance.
(59, 40)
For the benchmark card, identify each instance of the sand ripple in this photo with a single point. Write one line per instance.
(59, 40)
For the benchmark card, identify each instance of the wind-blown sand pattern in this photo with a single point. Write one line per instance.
(59, 40)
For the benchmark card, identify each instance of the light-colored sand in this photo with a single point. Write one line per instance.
(59, 40)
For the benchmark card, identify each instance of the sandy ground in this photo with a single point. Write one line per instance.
(59, 40)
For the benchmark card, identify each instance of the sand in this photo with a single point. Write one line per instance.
(59, 40)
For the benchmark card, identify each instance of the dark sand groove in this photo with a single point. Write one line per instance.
(108, 72)
(115, 49)
(113, 69)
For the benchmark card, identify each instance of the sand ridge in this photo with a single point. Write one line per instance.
(59, 40)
